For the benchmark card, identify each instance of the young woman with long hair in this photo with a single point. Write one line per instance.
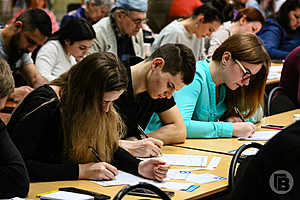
(56, 124)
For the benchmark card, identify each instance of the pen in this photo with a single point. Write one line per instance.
(272, 127)
(93, 150)
(142, 131)
(144, 134)
(41, 194)
(239, 113)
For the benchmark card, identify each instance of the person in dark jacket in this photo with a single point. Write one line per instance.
(273, 173)
(57, 124)
(280, 33)
(14, 178)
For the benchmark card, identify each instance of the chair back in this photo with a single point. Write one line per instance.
(278, 103)
(237, 158)
(144, 185)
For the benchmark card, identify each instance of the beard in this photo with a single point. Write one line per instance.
(14, 52)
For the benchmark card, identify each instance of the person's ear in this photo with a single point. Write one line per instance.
(18, 26)
(67, 43)
(119, 14)
(243, 20)
(158, 63)
(226, 57)
(200, 19)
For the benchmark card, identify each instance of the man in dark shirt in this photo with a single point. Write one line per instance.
(151, 85)
(14, 180)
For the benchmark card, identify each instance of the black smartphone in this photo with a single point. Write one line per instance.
(147, 193)
(97, 196)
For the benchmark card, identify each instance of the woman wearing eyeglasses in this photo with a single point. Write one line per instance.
(235, 78)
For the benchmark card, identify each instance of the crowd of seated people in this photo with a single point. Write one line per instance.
(91, 75)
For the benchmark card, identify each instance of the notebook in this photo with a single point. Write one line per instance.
(62, 195)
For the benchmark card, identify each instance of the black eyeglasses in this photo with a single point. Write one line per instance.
(247, 73)
(136, 21)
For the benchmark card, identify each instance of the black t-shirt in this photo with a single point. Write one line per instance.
(40, 140)
(139, 109)
(14, 178)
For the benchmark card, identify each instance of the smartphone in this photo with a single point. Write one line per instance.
(97, 196)
(271, 126)
(147, 193)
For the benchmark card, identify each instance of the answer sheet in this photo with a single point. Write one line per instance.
(185, 160)
(261, 135)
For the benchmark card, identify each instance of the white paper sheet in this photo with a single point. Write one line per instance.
(204, 178)
(261, 135)
(185, 160)
(124, 178)
(62, 195)
(275, 69)
(272, 76)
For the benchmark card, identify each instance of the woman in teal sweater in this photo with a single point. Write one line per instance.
(235, 77)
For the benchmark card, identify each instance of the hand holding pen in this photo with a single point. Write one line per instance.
(237, 111)
(142, 132)
(151, 146)
(242, 129)
(97, 171)
(93, 150)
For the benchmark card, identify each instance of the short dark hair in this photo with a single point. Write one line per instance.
(36, 18)
(210, 13)
(178, 59)
(76, 29)
(282, 16)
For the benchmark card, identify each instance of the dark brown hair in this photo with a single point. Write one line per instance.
(249, 48)
(178, 59)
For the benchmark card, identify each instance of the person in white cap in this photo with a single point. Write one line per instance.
(121, 32)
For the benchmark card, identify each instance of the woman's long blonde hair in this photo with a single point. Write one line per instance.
(83, 120)
(249, 48)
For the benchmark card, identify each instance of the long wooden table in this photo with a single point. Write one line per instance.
(204, 190)
(224, 145)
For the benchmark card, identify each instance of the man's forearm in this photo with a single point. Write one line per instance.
(39, 81)
(170, 134)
